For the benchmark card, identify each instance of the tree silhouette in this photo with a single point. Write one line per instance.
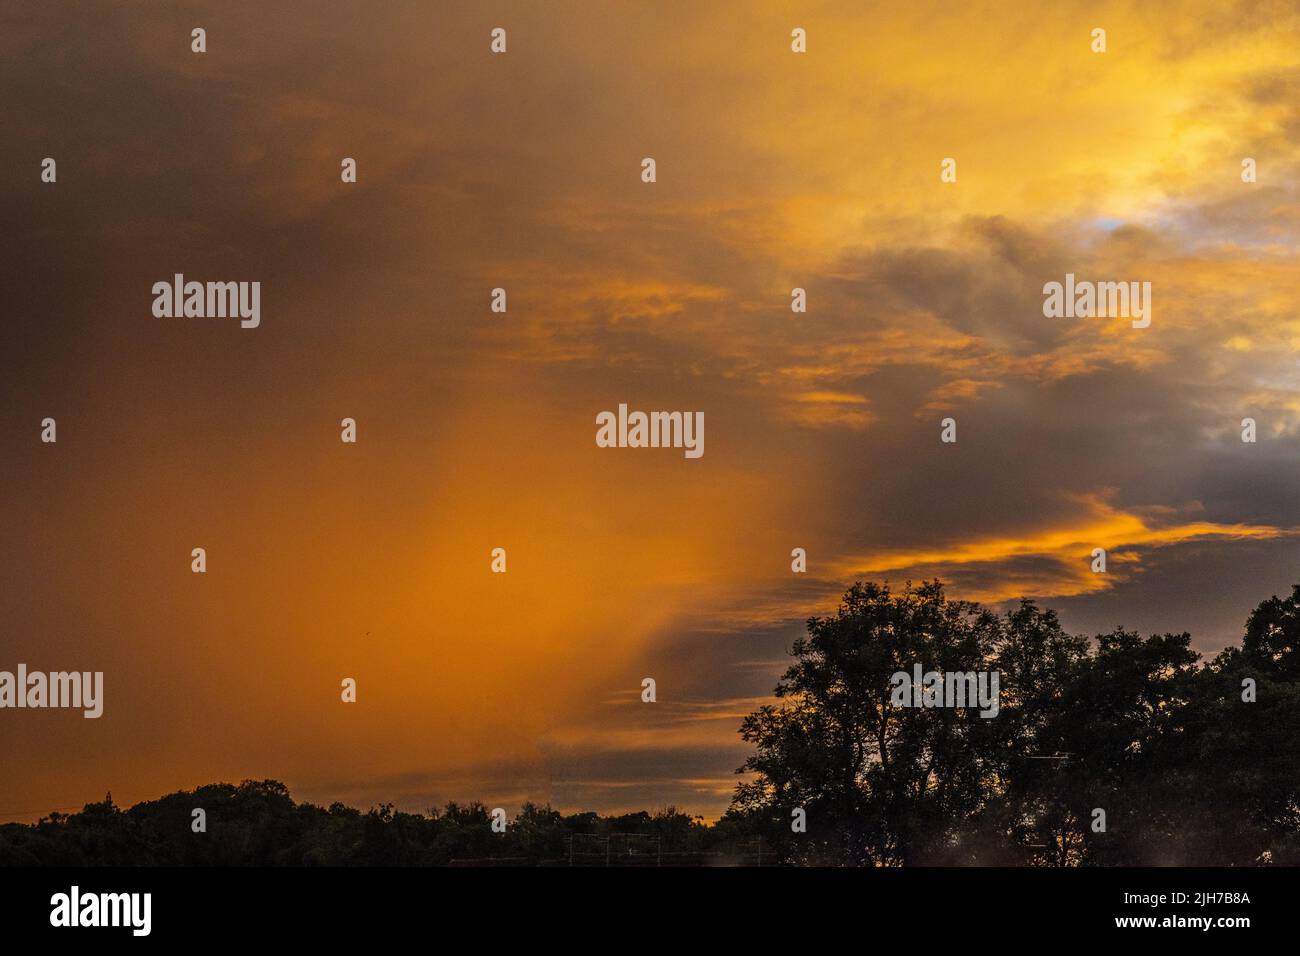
(1184, 769)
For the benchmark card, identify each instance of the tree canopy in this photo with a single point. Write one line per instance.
(1190, 762)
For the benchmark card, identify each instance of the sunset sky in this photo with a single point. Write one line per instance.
(476, 430)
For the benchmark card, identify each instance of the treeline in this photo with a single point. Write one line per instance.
(1115, 750)
(258, 823)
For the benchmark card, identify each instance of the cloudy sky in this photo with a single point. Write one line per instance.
(476, 430)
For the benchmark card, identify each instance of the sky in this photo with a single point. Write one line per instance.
(522, 170)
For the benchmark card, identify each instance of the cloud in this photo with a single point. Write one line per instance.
(776, 171)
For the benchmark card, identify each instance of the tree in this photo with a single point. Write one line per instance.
(879, 784)
(1184, 769)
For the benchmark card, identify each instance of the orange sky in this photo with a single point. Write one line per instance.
(476, 430)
